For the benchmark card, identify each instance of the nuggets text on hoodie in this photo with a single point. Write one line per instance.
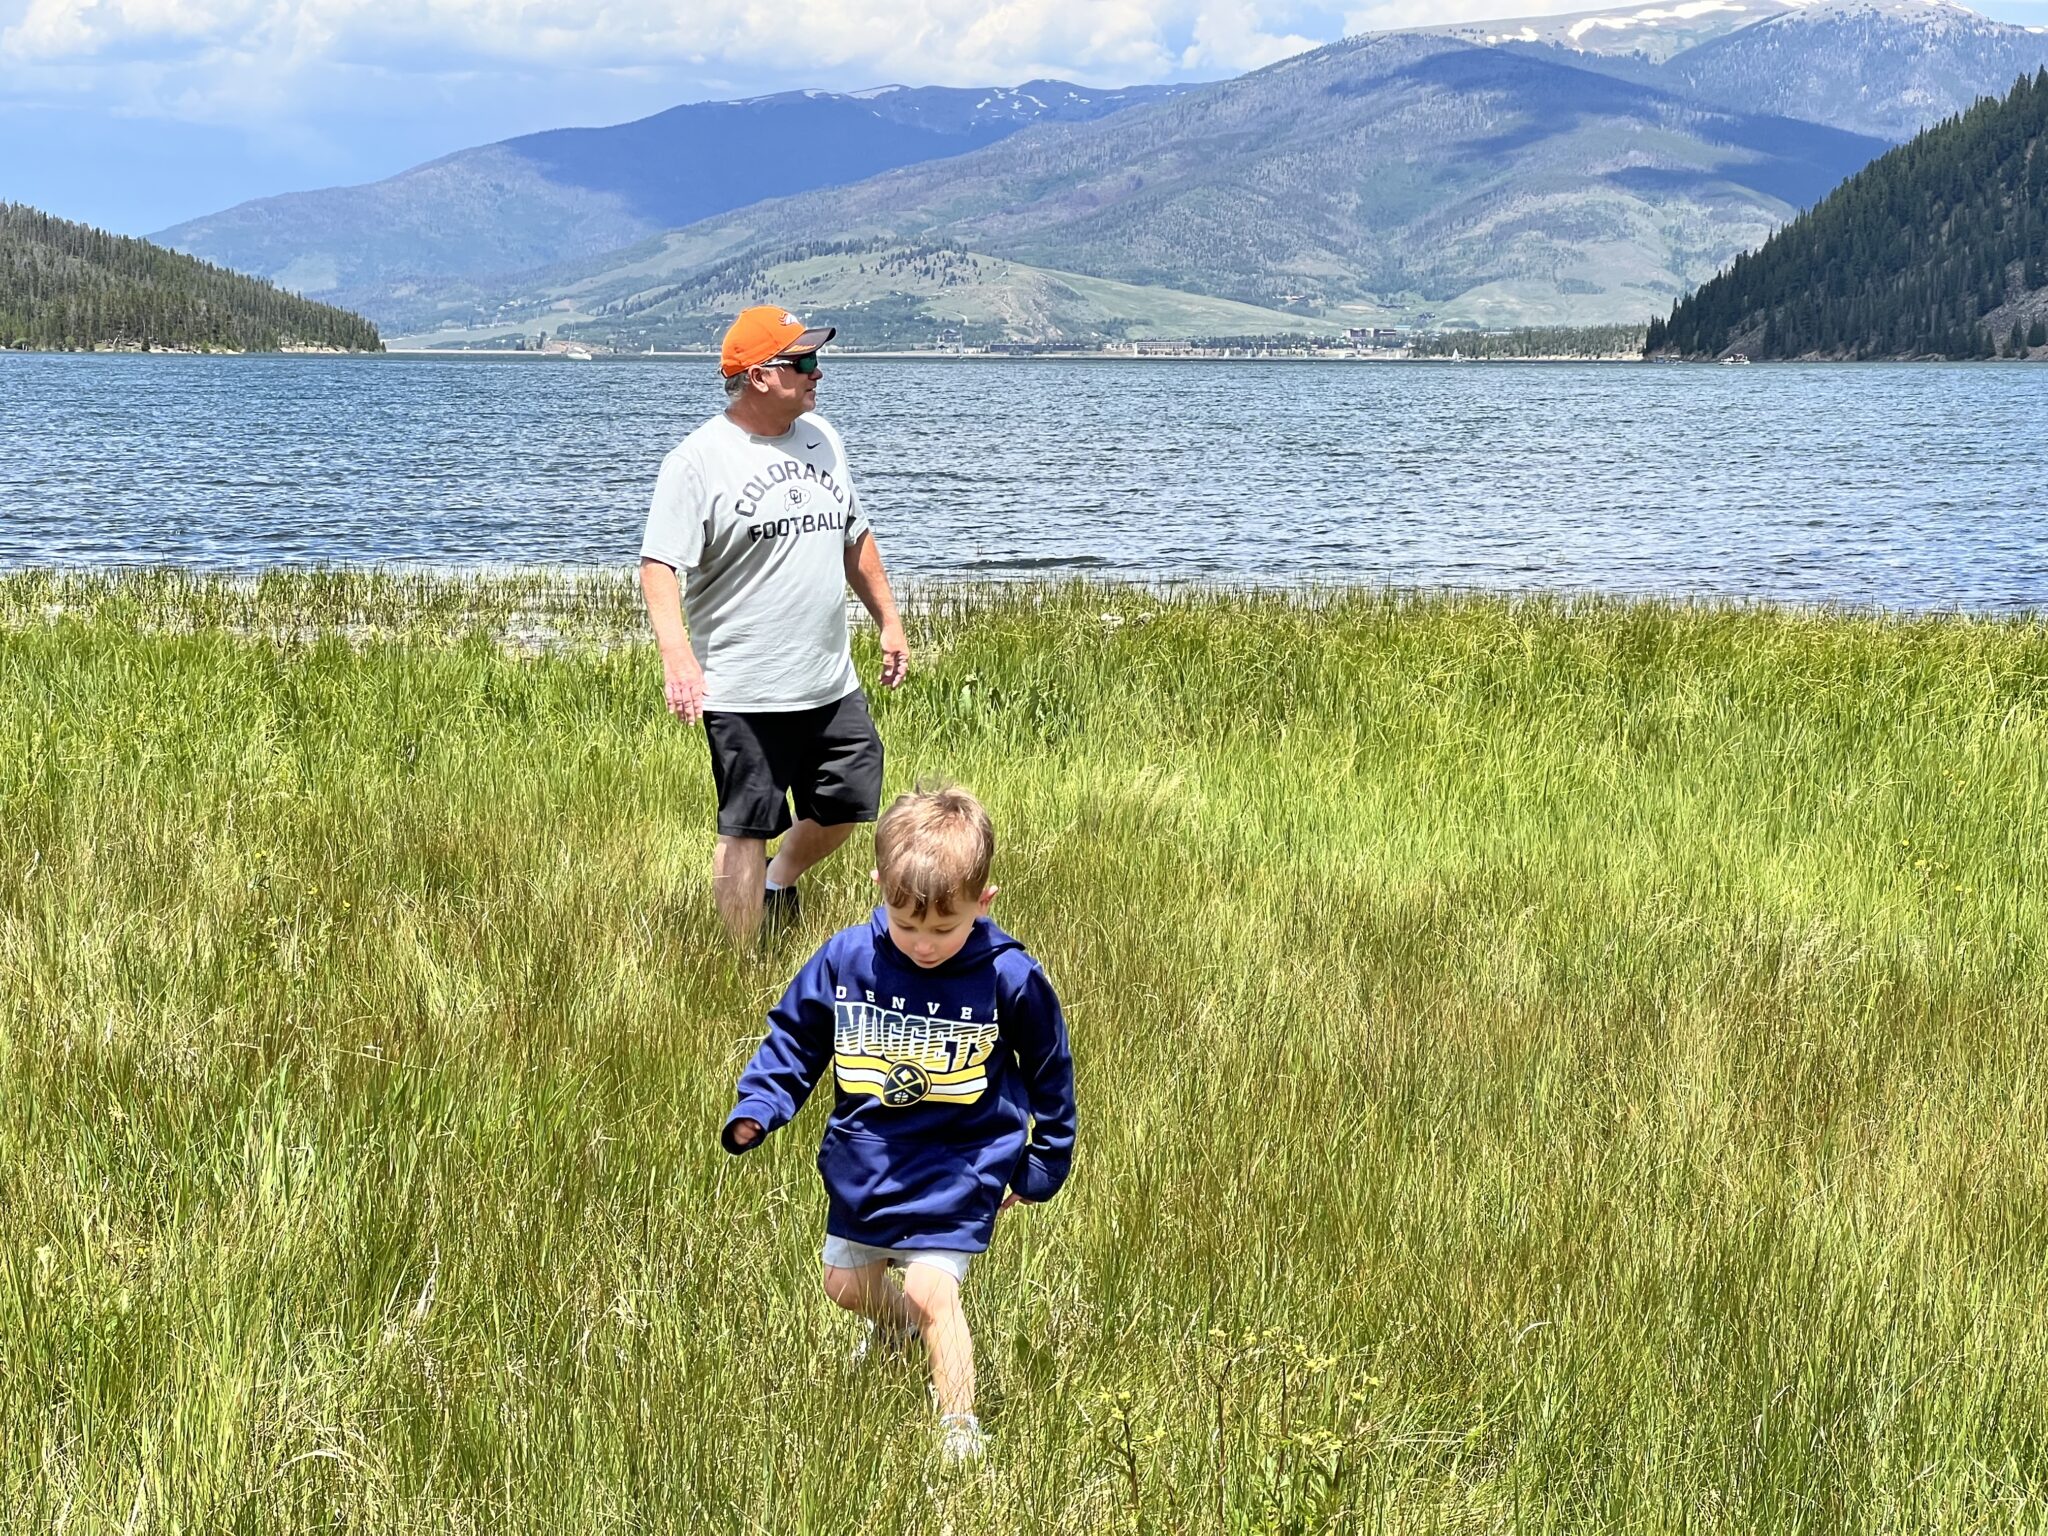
(952, 1084)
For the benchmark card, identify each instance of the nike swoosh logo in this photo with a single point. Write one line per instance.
(813, 445)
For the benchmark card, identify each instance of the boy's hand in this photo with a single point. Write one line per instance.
(743, 1133)
(1010, 1200)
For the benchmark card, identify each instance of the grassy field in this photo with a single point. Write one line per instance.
(1544, 1067)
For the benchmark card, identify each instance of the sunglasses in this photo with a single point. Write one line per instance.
(806, 364)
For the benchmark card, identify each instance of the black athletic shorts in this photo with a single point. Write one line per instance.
(828, 760)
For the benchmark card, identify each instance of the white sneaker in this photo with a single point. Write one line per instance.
(963, 1439)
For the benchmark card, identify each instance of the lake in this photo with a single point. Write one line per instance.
(1904, 486)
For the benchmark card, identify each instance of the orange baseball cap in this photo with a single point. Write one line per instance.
(766, 331)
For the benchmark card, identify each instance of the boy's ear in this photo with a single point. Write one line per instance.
(875, 875)
(988, 894)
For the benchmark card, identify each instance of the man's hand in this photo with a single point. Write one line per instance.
(744, 1133)
(683, 684)
(864, 574)
(895, 654)
(1009, 1200)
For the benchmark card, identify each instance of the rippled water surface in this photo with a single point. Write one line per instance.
(1903, 486)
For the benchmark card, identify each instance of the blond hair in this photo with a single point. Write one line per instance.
(933, 848)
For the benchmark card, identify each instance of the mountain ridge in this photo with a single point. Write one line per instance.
(521, 204)
(1575, 169)
(1396, 165)
(1859, 69)
(1887, 68)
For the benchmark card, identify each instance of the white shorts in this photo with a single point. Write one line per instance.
(844, 1253)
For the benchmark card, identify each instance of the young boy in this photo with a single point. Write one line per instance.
(943, 1037)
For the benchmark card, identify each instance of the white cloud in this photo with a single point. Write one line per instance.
(352, 90)
(1229, 36)
(354, 86)
(920, 41)
(74, 29)
(825, 42)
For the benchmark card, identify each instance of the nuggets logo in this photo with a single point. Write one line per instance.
(909, 1058)
(906, 1083)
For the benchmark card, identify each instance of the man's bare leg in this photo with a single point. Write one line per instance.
(802, 846)
(933, 1299)
(738, 866)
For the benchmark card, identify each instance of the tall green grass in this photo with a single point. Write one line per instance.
(1550, 1066)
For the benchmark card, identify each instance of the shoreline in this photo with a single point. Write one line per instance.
(936, 356)
(499, 354)
(564, 589)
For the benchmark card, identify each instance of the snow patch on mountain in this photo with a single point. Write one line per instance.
(1666, 29)
(1657, 30)
(1650, 17)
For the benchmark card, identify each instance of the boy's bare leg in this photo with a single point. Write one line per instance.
(866, 1289)
(737, 881)
(804, 845)
(933, 1299)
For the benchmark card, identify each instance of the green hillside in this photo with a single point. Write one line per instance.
(1939, 249)
(882, 293)
(66, 286)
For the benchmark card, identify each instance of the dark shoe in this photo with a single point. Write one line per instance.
(780, 910)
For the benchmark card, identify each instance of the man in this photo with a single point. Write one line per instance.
(756, 509)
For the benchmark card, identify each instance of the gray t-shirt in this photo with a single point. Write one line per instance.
(759, 526)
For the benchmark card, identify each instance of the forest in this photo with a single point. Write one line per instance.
(1937, 249)
(69, 287)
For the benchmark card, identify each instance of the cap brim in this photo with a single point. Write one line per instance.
(810, 341)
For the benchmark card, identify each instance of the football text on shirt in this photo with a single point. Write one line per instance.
(799, 508)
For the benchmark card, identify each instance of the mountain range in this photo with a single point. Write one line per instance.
(1562, 169)
(544, 198)
(1379, 179)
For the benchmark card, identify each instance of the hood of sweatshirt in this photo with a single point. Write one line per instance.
(983, 945)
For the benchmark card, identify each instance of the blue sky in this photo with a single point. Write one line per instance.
(135, 114)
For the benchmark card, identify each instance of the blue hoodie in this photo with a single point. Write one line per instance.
(937, 1073)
